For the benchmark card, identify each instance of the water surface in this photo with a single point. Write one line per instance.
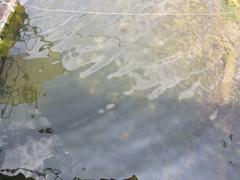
(108, 89)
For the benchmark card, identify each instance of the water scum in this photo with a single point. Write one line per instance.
(201, 55)
(21, 78)
(203, 59)
(185, 49)
(210, 53)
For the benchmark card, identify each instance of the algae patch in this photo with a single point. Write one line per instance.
(21, 77)
(10, 33)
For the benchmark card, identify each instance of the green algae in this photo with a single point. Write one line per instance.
(21, 77)
(10, 33)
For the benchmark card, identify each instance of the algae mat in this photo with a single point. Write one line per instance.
(7, 8)
(21, 79)
(12, 18)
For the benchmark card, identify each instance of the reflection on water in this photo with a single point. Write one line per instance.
(145, 87)
(22, 77)
(197, 47)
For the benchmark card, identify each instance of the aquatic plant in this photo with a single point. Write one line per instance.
(10, 33)
(21, 78)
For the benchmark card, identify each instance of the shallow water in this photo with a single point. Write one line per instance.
(108, 89)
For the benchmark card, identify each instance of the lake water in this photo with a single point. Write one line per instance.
(110, 89)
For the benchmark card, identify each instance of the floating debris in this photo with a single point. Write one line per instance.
(224, 143)
(46, 130)
(110, 106)
(213, 116)
(232, 163)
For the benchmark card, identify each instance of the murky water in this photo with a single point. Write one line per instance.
(108, 89)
